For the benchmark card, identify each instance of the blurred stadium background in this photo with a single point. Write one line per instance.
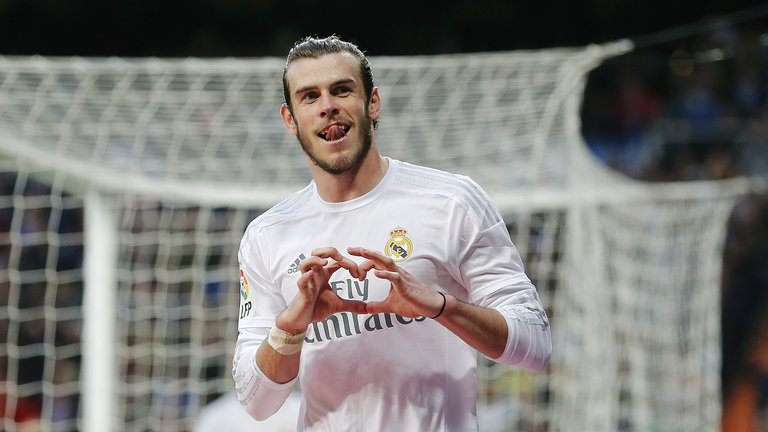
(688, 103)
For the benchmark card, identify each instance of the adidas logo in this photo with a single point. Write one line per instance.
(294, 268)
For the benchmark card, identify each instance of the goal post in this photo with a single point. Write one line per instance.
(126, 184)
(99, 305)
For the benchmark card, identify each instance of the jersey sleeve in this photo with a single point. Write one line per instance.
(492, 272)
(260, 303)
(260, 297)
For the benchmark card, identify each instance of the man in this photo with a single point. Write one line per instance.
(375, 285)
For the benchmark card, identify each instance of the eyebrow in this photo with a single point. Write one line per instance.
(333, 84)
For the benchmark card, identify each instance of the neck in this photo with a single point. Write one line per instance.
(351, 184)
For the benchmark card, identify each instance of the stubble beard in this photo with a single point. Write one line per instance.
(346, 164)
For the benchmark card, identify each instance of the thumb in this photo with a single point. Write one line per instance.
(354, 306)
(377, 307)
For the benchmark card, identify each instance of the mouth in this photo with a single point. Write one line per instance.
(334, 132)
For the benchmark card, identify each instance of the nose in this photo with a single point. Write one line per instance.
(328, 106)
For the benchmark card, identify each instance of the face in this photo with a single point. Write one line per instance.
(330, 115)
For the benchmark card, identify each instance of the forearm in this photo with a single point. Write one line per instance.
(481, 328)
(278, 367)
(508, 333)
(261, 395)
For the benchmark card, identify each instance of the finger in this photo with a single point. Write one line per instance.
(326, 252)
(307, 284)
(354, 306)
(308, 263)
(377, 307)
(329, 252)
(363, 269)
(331, 268)
(362, 272)
(380, 261)
(365, 266)
(350, 265)
(393, 277)
(356, 251)
(333, 253)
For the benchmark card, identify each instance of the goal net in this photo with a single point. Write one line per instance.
(125, 186)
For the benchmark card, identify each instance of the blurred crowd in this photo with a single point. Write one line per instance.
(692, 109)
(696, 108)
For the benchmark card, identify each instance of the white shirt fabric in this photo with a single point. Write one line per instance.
(385, 372)
(225, 414)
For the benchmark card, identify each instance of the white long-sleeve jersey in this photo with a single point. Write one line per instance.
(384, 371)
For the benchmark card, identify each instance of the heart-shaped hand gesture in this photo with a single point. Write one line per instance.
(317, 300)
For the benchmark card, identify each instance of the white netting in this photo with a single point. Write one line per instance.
(177, 310)
(41, 288)
(189, 151)
(211, 131)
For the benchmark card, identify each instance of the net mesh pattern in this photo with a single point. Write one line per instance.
(189, 151)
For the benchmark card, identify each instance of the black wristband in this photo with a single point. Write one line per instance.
(445, 300)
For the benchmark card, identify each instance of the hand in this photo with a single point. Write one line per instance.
(407, 296)
(316, 300)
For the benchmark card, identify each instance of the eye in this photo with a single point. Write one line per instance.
(342, 90)
(309, 96)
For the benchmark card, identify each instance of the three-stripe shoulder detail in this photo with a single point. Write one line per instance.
(461, 189)
(284, 209)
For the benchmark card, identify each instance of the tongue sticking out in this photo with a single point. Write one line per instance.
(334, 132)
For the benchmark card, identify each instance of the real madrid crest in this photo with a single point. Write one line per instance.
(399, 247)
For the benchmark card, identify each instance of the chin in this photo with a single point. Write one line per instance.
(345, 156)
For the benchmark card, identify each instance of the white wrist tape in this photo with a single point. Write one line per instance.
(285, 343)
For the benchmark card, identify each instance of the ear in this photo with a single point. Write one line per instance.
(374, 106)
(287, 115)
